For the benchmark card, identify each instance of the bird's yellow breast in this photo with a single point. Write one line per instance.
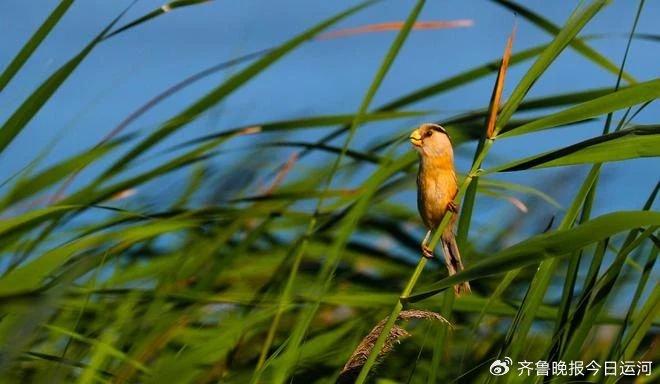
(436, 188)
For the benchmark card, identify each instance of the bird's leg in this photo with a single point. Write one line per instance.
(426, 251)
(452, 207)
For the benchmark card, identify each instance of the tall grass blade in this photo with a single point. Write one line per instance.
(165, 8)
(549, 245)
(29, 108)
(35, 40)
(572, 27)
(626, 97)
(622, 145)
(348, 224)
(225, 89)
(578, 44)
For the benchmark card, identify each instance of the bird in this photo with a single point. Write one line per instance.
(436, 189)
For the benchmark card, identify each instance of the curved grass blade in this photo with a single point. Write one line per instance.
(571, 279)
(599, 295)
(225, 89)
(395, 26)
(346, 228)
(27, 221)
(461, 79)
(37, 38)
(622, 145)
(520, 188)
(29, 277)
(92, 194)
(543, 276)
(578, 44)
(469, 199)
(29, 108)
(112, 351)
(355, 155)
(155, 101)
(307, 122)
(469, 126)
(165, 8)
(32, 185)
(625, 97)
(445, 85)
(572, 27)
(541, 247)
(59, 360)
(641, 325)
(298, 195)
(617, 350)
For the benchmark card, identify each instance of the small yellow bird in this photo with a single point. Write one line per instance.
(436, 189)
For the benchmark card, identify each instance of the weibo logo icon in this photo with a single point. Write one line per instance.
(500, 367)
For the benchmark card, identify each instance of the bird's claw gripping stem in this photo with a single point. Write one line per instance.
(427, 252)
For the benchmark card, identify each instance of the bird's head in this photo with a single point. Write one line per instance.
(431, 140)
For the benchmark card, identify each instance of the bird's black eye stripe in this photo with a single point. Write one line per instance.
(438, 128)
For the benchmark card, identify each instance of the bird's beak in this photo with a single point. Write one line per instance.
(416, 138)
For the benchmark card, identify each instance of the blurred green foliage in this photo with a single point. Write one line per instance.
(261, 286)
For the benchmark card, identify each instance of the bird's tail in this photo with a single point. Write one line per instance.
(453, 261)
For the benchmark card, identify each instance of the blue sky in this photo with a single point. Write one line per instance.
(323, 77)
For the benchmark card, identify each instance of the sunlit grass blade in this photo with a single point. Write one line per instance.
(552, 244)
(633, 95)
(622, 145)
(578, 44)
(598, 296)
(396, 26)
(469, 199)
(568, 289)
(568, 32)
(541, 281)
(498, 88)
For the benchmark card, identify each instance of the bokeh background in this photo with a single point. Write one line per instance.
(322, 77)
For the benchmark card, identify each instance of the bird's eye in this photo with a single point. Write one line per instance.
(428, 133)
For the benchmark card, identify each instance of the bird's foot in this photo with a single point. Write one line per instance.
(452, 207)
(427, 252)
